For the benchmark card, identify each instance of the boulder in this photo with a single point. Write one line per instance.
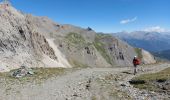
(22, 72)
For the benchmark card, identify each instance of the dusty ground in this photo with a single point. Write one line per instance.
(84, 84)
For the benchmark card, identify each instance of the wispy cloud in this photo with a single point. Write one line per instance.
(126, 21)
(155, 29)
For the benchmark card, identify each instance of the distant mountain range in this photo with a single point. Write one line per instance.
(163, 54)
(156, 42)
(151, 41)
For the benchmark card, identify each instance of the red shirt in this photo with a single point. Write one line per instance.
(136, 61)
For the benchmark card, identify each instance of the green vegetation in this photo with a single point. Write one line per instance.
(100, 47)
(77, 64)
(165, 74)
(100, 36)
(93, 98)
(40, 74)
(161, 76)
(75, 38)
(139, 52)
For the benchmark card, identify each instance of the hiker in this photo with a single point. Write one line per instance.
(136, 62)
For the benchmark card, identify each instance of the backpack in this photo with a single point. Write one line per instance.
(136, 61)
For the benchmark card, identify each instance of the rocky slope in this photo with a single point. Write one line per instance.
(20, 43)
(147, 57)
(39, 42)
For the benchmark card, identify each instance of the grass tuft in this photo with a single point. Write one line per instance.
(40, 75)
(75, 38)
(150, 80)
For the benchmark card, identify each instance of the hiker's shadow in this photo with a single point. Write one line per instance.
(127, 72)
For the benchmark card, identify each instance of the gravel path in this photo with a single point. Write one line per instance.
(137, 94)
(85, 84)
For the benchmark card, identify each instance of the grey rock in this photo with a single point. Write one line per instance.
(22, 72)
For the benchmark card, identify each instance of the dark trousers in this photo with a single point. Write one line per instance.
(135, 69)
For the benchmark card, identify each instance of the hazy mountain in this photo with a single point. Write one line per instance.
(151, 41)
(163, 54)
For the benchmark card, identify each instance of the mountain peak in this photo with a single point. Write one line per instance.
(8, 10)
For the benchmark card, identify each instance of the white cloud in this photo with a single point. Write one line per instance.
(126, 21)
(155, 29)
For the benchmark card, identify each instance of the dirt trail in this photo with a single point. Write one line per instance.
(85, 84)
(137, 94)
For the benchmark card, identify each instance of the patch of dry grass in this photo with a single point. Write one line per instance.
(40, 74)
(150, 78)
(165, 74)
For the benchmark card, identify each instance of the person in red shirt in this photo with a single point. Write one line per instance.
(136, 62)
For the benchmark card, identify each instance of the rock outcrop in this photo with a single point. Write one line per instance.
(147, 57)
(20, 43)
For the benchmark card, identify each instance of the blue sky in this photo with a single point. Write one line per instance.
(102, 15)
